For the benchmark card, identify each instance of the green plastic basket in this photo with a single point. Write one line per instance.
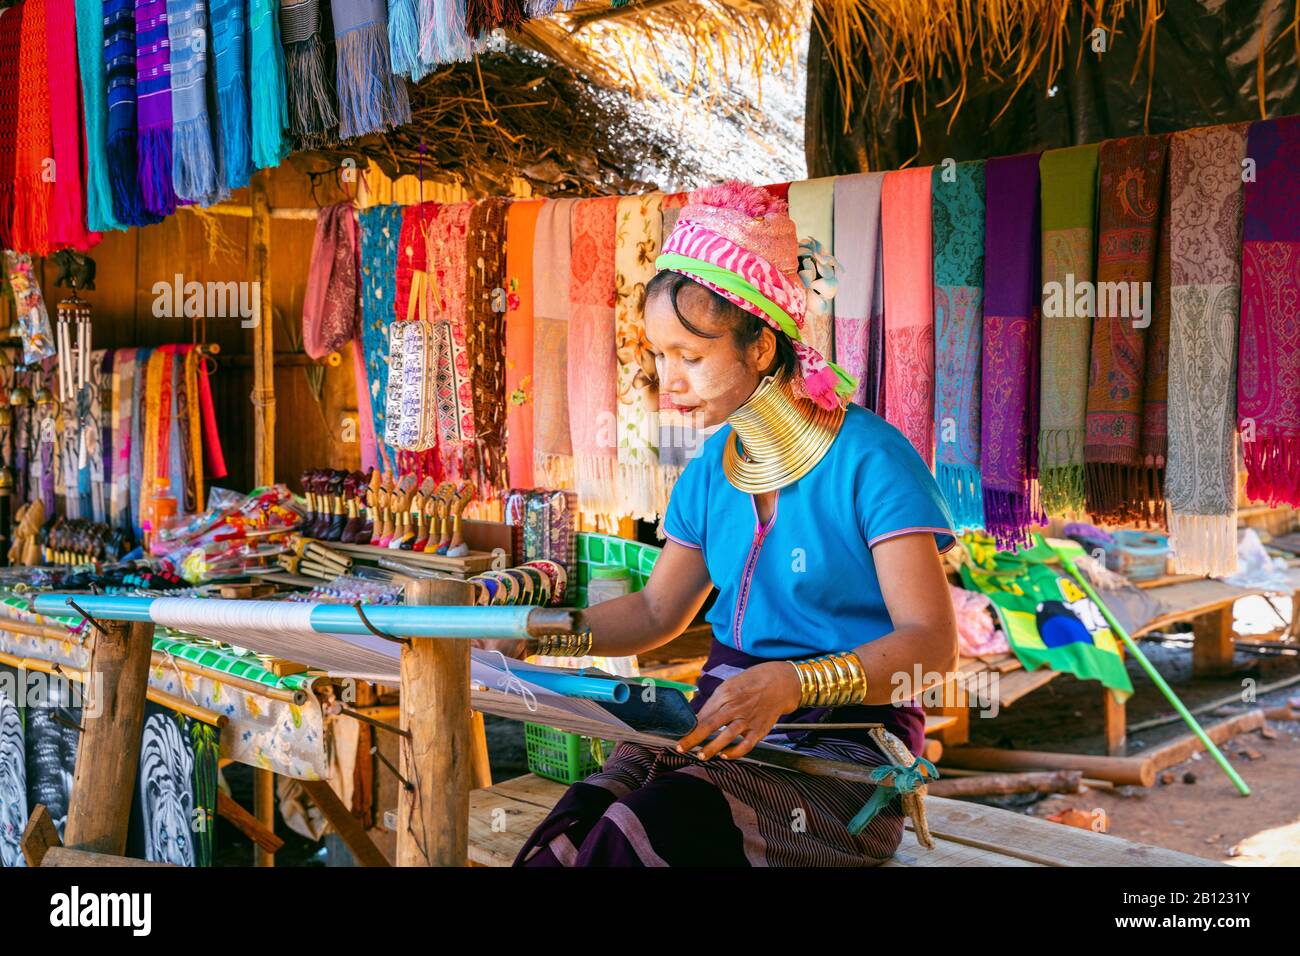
(610, 551)
(561, 756)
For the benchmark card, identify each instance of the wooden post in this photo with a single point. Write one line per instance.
(1212, 643)
(480, 768)
(108, 753)
(263, 395)
(433, 815)
(264, 811)
(1116, 722)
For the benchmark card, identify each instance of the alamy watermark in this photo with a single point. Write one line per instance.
(209, 300)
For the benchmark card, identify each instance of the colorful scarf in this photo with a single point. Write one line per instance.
(812, 207)
(485, 342)
(229, 50)
(371, 98)
(1009, 370)
(11, 26)
(94, 82)
(67, 223)
(593, 362)
(331, 307)
(1120, 485)
(860, 301)
(154, 107)
(958, 231)
(32, 145)
(1268, 384)
(1069, 191)
(381, 228)
(123, 392)
(636, 245)
(443, 36)
(521, 228)
(552, 448)
(269, 97)
(214, 459)
(484, 16)
(447, 246)
(194, 165)
(313, 113)
(909, 306)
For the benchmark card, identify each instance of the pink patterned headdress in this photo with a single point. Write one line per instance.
(739, 241)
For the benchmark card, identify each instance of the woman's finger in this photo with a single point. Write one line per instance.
(707, 721)
(725, 736)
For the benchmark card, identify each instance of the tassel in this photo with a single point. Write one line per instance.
(154, 154)
(236, 140)
(313, 116)
(403, 37)
(128, 205)
(371, 99)
(443, 38)
(270, 118)
(194, 167)
(483, 16)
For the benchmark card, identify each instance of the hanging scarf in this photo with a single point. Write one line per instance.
(229, 50)
(909, 307)
(107, 425)
(67, 212)
(331, 305)
(123, 385)
(812, 207)
(592, 360)
(11, 26)
(484, 16)
(151, 398)
(371, 98)
(1069, 215)
(448, 235)
(365, 413)
(190, 430)
(136, 432)
(32, 145)
(443, 36)
(214, 459)
(552, 448)
(89, 451)
(411, 417)
(521, 228)
(1009, 367)
(679, 439)
(859, 304)
(485, 336)
(94, 82)
(119, 64)
(381, 228)
(194, 165)
(404, 39)
(269, 97)
(309, 82)
(637, 241)
(1120, 485)
(1205, 201)
(154, 107)
(958, 231)
(1268, 383)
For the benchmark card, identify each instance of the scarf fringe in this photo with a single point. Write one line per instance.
(482, 16)
(1204, 544)
(639, 490)
(552, 471)
(371, 99)
(1273, 470)
(312, 113)
(236, 137)
(1125, 494)
(961, 487)
(595, 479)
(154, 155)
(194, 165)
(403, 37)
(443, 37)
(668, 475)
(31, 215)
(269, 120)
(1008, 516)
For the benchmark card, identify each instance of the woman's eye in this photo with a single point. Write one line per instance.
(691, 361)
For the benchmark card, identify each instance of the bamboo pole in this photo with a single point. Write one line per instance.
(433, 814)
(263, 396)
(264, 811)
(108, 754)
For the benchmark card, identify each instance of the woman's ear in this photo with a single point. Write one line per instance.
(763, 351)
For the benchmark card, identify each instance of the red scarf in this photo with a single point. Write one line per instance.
(11, 25)
(67, 222)
(32, 147)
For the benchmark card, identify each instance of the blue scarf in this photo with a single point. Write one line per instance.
(270, 109)
(233, 111)
(94, 81)
(194, 164)
(119, 63)
(381, 228)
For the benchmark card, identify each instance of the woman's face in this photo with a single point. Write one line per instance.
(705, 378)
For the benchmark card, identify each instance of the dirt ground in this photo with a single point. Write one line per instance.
(1200, 812)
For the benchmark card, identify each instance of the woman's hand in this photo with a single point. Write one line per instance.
(745, 705)
(517, 649)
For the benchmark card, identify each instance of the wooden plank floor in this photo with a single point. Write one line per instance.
(502, 817)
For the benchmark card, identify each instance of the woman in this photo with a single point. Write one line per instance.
(821, 530)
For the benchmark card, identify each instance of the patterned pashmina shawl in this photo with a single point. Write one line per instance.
(1009, 369)
(32, 145)
(1268, 383)
(123, 394)
(94, 82)
(443, 36)
(371, 98)
(1069, 191)
(194, 165)
(154, 109)
(485, 257)
(860, 300)
(909, 307)
(637, 242)
(269, 97)
(11, 26)
(119, 62)
(448, 273)
(331, 307)
(521, 227)
(812, 207)
(313, 112)
(552, 448)
(230, 56)
(958, 230)
(593, 363)
(68, 211)
(381, 228)
(1121, 483)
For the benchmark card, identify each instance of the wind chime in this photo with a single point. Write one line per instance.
(77, 390)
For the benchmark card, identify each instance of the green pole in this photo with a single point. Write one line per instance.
(1183, 712)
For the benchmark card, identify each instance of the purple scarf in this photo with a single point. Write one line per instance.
(1009, 369)
(154, 107)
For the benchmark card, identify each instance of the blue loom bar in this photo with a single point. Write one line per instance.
(576, 685)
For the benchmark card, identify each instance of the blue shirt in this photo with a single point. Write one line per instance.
(806, 583)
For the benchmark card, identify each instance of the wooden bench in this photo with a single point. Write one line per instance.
(501, 818)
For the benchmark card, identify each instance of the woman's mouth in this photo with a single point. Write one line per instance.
(682, 408)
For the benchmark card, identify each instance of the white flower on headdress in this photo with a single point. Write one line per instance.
(819, 272)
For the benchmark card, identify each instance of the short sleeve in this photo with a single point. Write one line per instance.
(685, 518)
(898, 495)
